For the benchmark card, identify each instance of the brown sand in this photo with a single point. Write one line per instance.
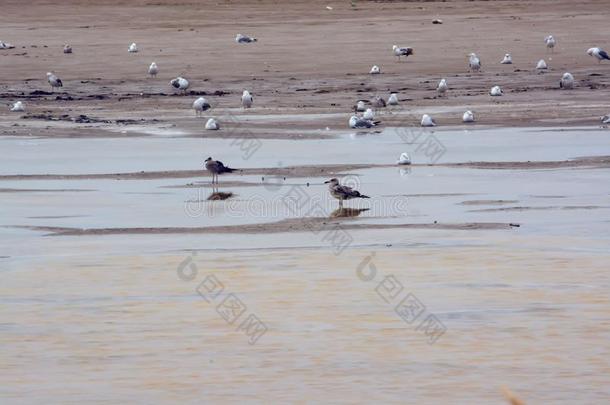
(308, 60)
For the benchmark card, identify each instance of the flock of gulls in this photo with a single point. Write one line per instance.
(363, 117)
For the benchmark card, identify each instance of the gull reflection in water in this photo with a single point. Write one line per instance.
(347, 212)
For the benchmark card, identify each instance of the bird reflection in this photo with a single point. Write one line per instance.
(347, 212)
(219, 195)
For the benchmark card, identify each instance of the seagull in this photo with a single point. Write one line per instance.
(375, 70)
(599, 53)
(244, 39)
(427, 121)
(153, 69)
(567, 81)
(357, 122)
(4, 45)
(606, 119)
(468, 116)
(133, 48)
(200, 105)
(474, 63)
(399, 51)
(360, 106)
(212, 125)
(442, 87)
(378, 102)
(246, 99)
(550, 42)
(67, 49)
(342, 192)
(368, 114)
(18, 107)
(54, 81)
(180, 83)
(393, 99)
(216, 167)
(496, 91)
(541, 65)
(404, 159)
(508, 60)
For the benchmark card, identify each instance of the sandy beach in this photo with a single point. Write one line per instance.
(481, 267)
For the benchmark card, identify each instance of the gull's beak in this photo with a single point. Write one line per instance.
(327, 181)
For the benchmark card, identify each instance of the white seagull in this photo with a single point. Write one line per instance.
(508, 60)
(246, 99)
(468, 116)
(133, 48)
(54, 81)
(400, 51)
(200, 105)
(442, 87)
(153, 69)
(357, 122)
(550, 42)
(368, 114)
(496, 91)
(599, 53)
(567, 81)
(606, 119)
(393, 99)
(212, 125)
(427, 121)
(360, 106)
(541, 65)
(474, 63)
(18, 107)
(67, 49)
(4, 45)
(244, 39)
(180, 83)
(375, 70)
(404, 159)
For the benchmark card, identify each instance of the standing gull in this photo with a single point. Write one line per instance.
(541, 65)
(18, 107)
(442, 87)
(400, 51)
(393, 99)
(246, 99)
(404, 159)
(468, 116)
(67, 49)
(550, 42)
(133, 48)
(153, 70)
(216, 167)
(375, 70)
(342, 192)
(599, 53)
(496, 91)
(508, 60)
(427, 121)
(200, 105)
(212, 125)
(474, 63)
(567, 81)
(180, 83)
(360, 106)
(244, 39)
(54, 81)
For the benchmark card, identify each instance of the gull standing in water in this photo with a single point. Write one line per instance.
(212, 125)
(153, 70)
(468, 116)
(244, 39)
(474, 63)
(508, 60)
(133, 48)
(18, 107)
(200, 105)
(567, 81)
(427, 121)
(342, 192)
(404, 159)
(599, 53)
(246, 99)
(399, 51)
(442, 87)
(496, 91)
(216, 167)
(550, 42)
(54, 81)
(180, 83)
(393, 99)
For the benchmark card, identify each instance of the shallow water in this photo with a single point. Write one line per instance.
(113, 318)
